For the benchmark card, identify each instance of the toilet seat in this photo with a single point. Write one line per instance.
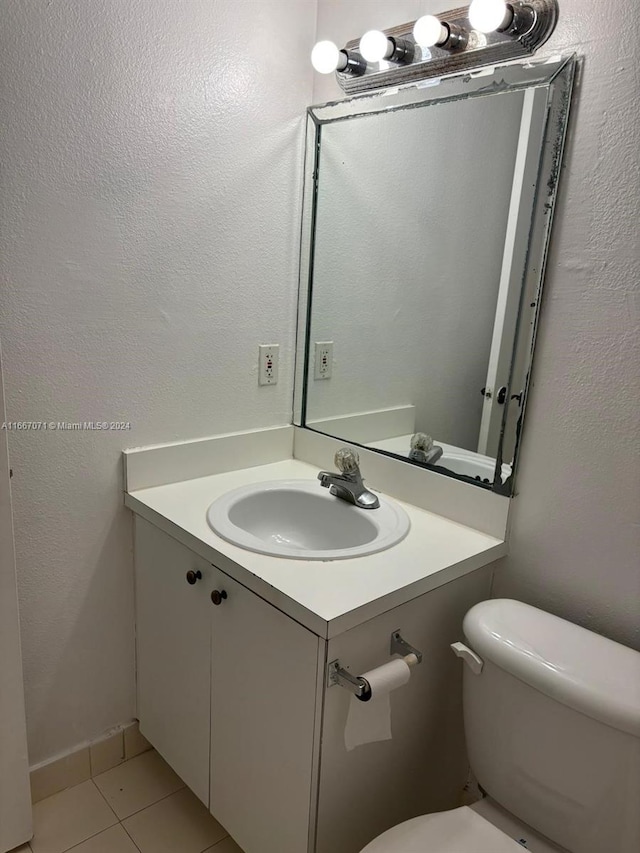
(456, 831)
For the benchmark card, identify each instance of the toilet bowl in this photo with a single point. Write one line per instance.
(481, 828)
(456, 831)
(552, 725)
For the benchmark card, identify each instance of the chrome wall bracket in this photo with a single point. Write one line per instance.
(480, 50)
(399, 646)
(353, 683)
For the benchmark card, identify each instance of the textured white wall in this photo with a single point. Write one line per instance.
(150, 187)
(403, 232)
(576, 523)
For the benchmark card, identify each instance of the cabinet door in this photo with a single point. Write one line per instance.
(263, 707)
(173, 639)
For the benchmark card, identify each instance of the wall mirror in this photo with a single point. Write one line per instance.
(426, 220)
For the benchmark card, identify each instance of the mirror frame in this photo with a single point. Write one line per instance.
(557, 76)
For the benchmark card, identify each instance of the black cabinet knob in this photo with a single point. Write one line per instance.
(218, 596)
(192, 576)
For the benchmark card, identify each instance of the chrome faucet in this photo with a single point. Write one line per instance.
(423, 449)
(348, 485)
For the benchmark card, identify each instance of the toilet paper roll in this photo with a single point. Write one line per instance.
(371, 721)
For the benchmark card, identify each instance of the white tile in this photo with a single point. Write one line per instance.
(113, 840)
(67, 818)
(107, 753)
(226, 846)
(179, 822)
(60, 774)
(134, 742)
(138, 783)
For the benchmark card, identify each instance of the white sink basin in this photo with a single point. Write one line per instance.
(299, 519)
(472, 465)
(456, 459)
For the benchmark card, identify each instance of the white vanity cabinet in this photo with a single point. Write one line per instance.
(234, 696)
(226, 693)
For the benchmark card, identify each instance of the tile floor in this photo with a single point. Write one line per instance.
(140, 806)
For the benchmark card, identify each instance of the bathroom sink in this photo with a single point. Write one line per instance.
(456, 459)
(301, 520)
(472, 465)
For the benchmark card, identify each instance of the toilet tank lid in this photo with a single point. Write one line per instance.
(580, 669)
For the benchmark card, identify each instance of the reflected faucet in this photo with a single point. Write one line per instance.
(349, 484)
(424, 450)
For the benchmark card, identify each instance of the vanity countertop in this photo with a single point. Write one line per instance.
(326, 597)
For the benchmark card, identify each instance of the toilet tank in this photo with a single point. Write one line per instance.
(552, 724)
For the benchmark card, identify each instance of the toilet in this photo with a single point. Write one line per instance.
(552, 725)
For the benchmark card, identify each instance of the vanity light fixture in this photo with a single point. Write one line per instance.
(376, 46)
(486, 33)
(326, 58)
(430, 31)
(513, 19)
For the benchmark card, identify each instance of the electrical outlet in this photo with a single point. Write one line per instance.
(269, 355)
(323, 363)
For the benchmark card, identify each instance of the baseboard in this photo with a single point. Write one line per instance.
(87, 761)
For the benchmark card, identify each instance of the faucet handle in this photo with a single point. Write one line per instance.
(422, 441)
(347, 461)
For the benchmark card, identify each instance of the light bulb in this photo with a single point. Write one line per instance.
(325, 57)
(429, 31)
(486, 16)
(374, 46)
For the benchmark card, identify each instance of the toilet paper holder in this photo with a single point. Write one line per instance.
(359, 686)
(399, 646)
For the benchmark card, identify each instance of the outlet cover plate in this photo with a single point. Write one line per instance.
(268, 358)
(323, 360)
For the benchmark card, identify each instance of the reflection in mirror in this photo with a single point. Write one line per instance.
(428, 224)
